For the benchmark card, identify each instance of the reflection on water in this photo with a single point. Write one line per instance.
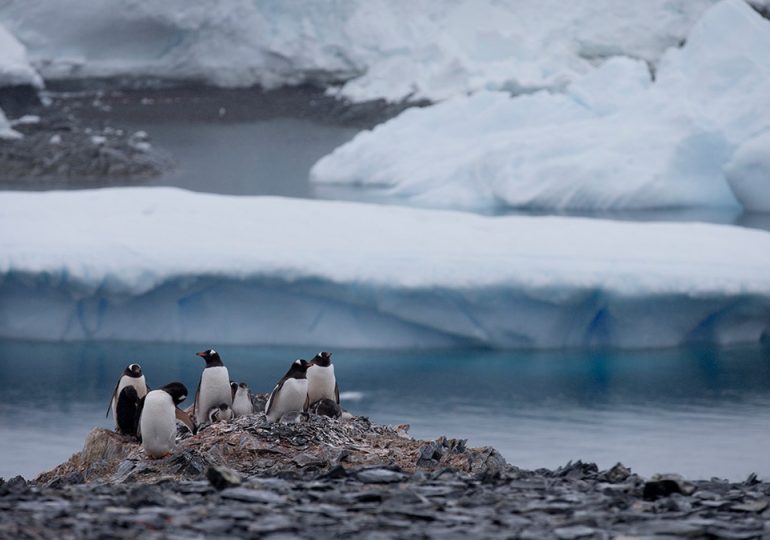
(264, 157)
(698, 412)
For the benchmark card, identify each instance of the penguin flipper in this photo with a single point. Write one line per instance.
(337, 392)
(307, 403)
(197, 396)
(269, 404)
(139, 409)
(113, 398)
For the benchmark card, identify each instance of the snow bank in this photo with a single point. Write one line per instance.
(615, 139)
(15, 69)
(388, 49)
(169, 265)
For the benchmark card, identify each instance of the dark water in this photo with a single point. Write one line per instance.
(699, 412)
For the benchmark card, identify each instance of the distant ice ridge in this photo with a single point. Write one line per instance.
(615, 139)
(15, 69)
(170, 265)
(391, 49)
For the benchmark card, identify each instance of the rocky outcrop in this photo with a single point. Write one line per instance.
(301, 445)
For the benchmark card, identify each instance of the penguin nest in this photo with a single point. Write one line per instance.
(305, 446)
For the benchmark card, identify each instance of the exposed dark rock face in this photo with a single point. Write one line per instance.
(60, 150)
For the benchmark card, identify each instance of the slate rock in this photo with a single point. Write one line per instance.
(379, 476)
(245, 494)
(223, 477)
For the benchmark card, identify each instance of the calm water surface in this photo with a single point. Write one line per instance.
(698, 412)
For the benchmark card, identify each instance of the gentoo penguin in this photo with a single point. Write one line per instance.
(321, 383)
(158, 416)
(132, 376)
(213, 387)
(242, 404)
(127, 411)
(290, 394)
(221, 413)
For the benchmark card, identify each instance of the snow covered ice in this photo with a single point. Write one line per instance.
(395, 50)
(614, 139)
(161, 264)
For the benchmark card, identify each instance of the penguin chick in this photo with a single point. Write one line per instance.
(290, 394)
(325, 407)
(131, 376)
(321, 382)
(157, 420)
(242, 405)
(213, 387)
(220, 413)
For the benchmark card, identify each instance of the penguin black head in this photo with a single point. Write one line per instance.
(211, 357)
(176, 390)
(298, 369)
(323, 359)
(234, 386)
(133, 370)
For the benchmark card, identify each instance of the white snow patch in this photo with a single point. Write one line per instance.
(614, 139)
(169, 265)
(402, 49)
(351, 396)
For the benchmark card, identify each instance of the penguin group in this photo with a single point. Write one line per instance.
(151, 416)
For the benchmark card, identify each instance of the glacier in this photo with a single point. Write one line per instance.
(163, 264)
(367, 49)
(622, 136)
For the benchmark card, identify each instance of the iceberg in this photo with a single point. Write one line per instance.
(6, 131)
(621, 137)
(369, 49)
(748, 173)
(162, 264)
(15, 69)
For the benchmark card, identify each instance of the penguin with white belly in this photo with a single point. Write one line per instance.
(242, 405)
(321, 382)
(125, 416)
(158, 413)
(290, 394)
(213, 387)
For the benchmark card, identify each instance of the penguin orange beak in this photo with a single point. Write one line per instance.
(202, 354)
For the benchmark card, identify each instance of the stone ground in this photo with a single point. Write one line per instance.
(315, 477)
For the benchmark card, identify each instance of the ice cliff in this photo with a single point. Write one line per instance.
(620, 137)
(170, 265)
(396, 50)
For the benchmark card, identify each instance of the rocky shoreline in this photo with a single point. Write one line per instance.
(73, 135)
(311, 476)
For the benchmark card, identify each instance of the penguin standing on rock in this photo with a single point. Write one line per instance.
(125, 414)
(321, 382)
(158, 415)
(242, 405)
(213, 387)
(290, 394)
